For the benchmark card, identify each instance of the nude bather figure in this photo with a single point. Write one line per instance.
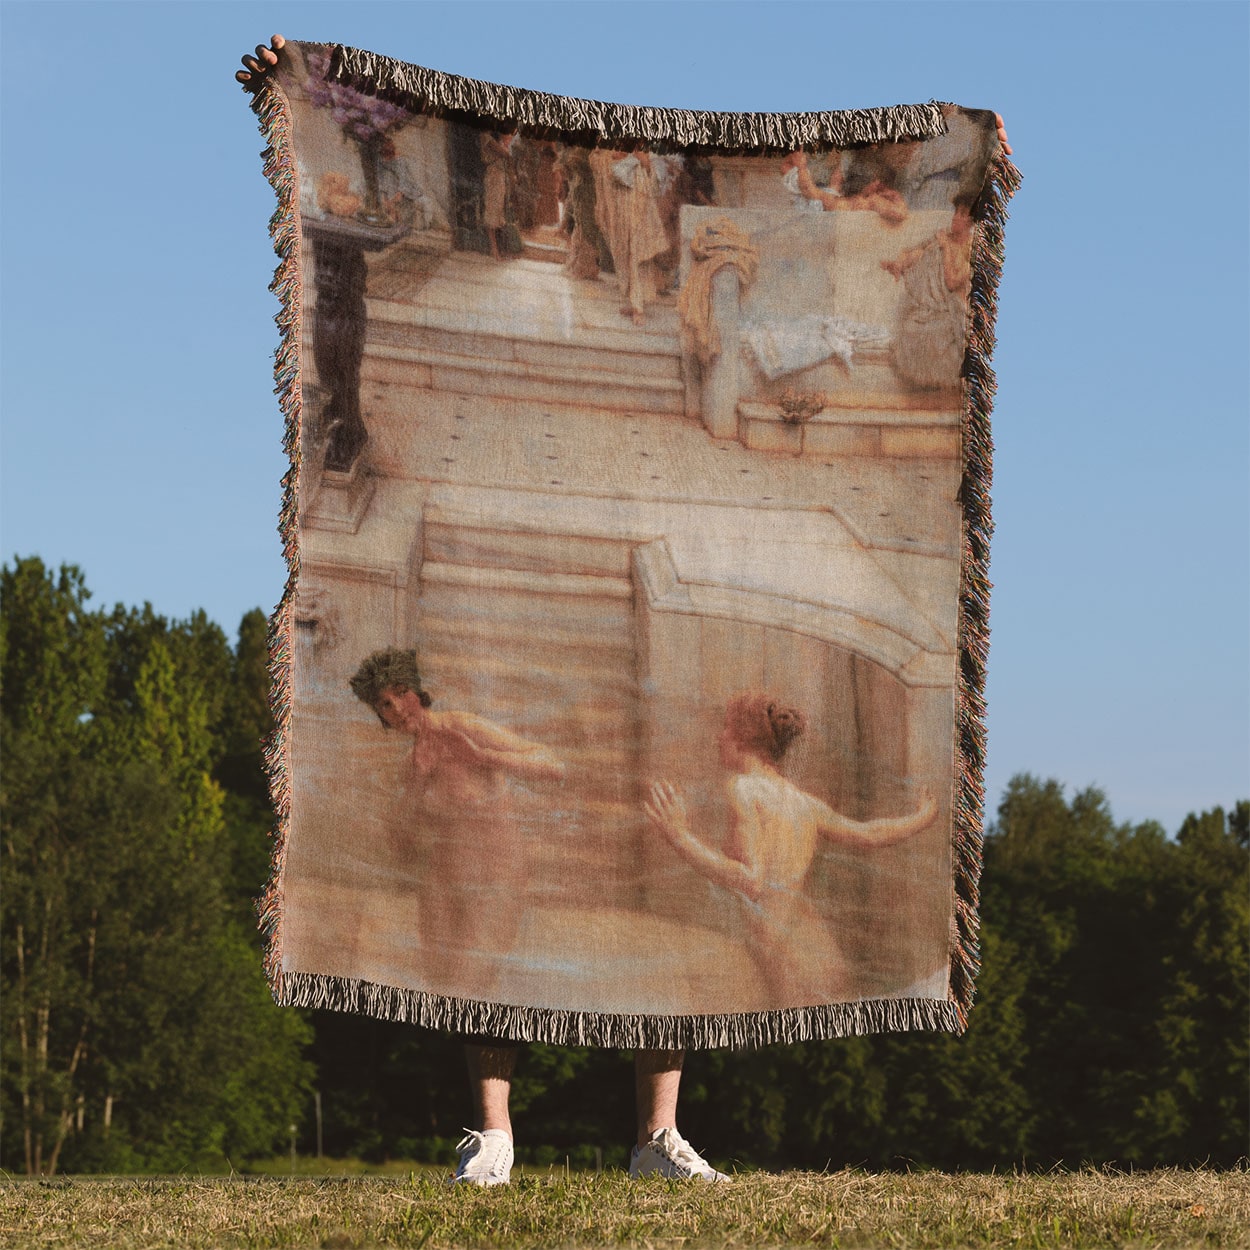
(774, 832)
(459, 816)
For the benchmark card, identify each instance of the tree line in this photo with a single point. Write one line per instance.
(137, 1033)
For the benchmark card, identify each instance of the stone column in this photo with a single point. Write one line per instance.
(720, 376)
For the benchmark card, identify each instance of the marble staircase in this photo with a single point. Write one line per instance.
(524, 330)
(536, 631)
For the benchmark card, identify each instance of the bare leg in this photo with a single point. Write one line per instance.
(490, 1079)
(657, 1078)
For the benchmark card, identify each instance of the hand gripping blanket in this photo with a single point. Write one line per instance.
(628, 679)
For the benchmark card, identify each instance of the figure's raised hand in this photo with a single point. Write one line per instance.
(1002, 133)
(667, 811)
(256, 67)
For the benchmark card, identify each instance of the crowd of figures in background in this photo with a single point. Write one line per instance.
(617, 212)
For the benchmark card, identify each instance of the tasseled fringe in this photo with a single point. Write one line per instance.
(584, 1028)
(275, 124)
(974, 586)
(429, 90)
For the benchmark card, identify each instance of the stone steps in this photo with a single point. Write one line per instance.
(457, 539)
(438, 333)
(560, 673)
(551, 253)
(528, 383)
(536, 630)
(500, 638)
(524, 330)
(474, 287)
(530, 600)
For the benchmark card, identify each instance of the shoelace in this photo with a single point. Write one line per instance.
(491, 1159)
(684, 1154)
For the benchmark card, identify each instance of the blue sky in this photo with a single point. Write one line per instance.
(141, 437)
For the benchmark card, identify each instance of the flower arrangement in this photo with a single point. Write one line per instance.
(362, 117)
(797, 407)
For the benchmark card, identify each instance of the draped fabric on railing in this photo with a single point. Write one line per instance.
(628, 679)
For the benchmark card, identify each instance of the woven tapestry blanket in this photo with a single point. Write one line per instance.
(628, 679)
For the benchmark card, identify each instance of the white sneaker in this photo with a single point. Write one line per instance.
(668, 1153)
(485, 1158)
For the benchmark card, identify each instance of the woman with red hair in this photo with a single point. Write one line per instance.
(774, 832)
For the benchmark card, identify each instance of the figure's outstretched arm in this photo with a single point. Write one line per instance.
(667, 811)
(496, 747)
(901, 263)
(884, 831)
(807, 184)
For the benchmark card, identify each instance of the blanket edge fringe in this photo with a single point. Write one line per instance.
(274, 119)
(627, 1031)
(974, 583)
(419, 87)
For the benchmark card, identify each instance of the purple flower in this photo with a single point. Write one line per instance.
(361, 116)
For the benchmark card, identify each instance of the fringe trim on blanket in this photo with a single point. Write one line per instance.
(974, 587)
(275, 125)
(583, 1028)
(431, 90)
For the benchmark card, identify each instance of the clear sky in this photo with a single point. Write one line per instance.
(141, 437)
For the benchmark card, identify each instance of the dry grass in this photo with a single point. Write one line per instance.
(1169, 1208)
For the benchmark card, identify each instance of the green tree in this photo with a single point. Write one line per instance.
(53, 670)
(137, 1027)
(1198, 1109)
(244, 726)
(1133, 946)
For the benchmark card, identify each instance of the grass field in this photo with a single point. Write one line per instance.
(844, 1209)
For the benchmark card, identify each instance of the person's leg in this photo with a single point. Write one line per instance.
(486, 1152)
(657, 1080)
(490, 1080)
(661, 1149)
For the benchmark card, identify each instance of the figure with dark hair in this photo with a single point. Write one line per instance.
(390, 683)
(459, 819)
(774, 832)
(588, 249)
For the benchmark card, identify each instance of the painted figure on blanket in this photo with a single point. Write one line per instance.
(933, 307)
(402, 195)
(459, 820)
(873, 196)
(588, 251)
(627, 193)
(684, 178)
(774, 833)
(497, 175)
